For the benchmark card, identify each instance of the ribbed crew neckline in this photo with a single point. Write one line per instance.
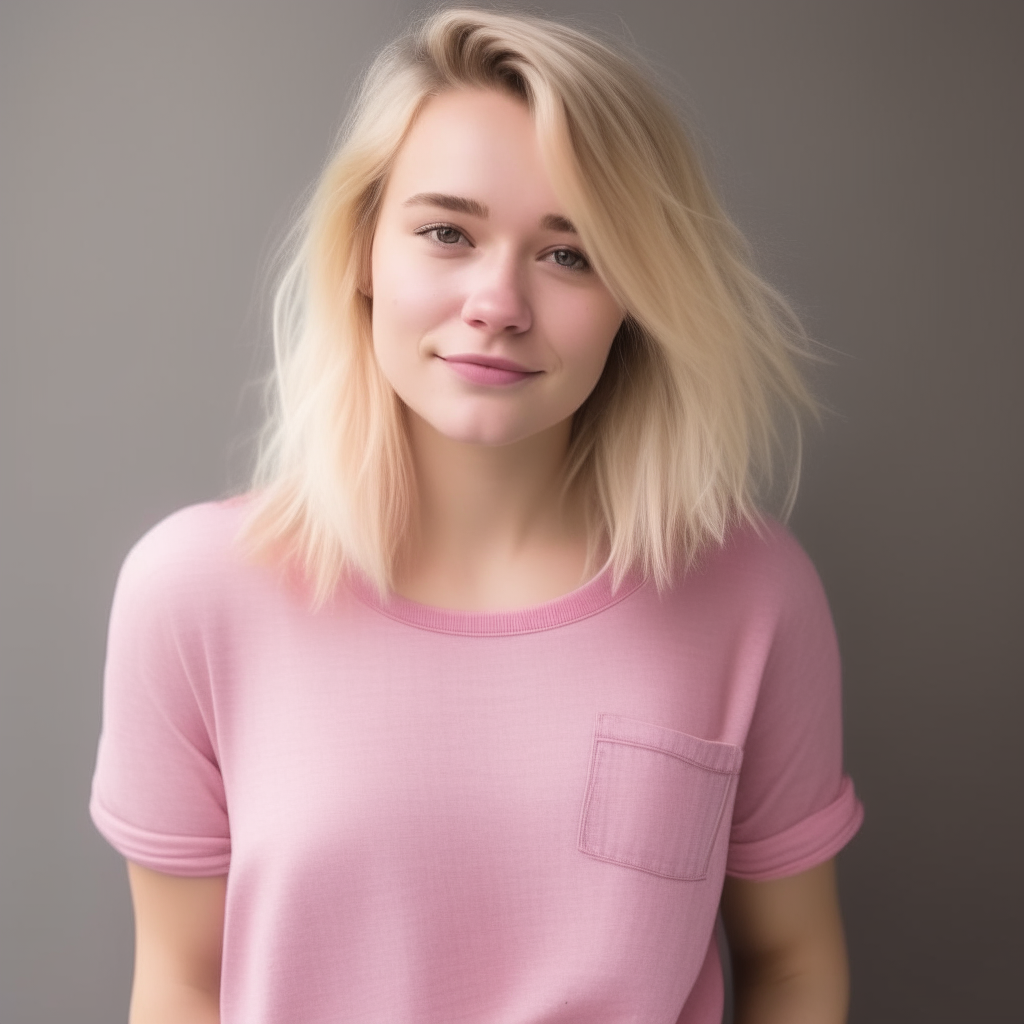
(594, 596)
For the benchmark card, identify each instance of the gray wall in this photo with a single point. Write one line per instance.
(151, 155)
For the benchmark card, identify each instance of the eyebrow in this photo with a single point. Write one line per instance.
(460, 204)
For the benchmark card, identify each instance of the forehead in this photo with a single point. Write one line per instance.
(476, 143)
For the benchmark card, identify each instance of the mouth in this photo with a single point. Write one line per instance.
(494, 361)
(488, 370)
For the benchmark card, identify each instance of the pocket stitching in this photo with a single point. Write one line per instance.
(620, 729)
(669, 753)
(592, 784)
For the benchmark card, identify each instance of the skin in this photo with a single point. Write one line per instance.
(504, 275)
(787, 948)
(179, 933)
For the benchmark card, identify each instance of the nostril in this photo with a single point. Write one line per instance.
(498, 310)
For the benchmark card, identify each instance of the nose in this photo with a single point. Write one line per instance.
(497, 301)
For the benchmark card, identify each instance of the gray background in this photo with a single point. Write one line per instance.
(152, 154)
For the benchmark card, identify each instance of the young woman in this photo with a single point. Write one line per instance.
(497, 686)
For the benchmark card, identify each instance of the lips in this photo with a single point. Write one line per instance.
(496, 361)
(489, 370)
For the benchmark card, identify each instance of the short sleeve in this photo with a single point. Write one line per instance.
(795, 807)
(157, 793)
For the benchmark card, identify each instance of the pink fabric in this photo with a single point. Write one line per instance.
(437, 816)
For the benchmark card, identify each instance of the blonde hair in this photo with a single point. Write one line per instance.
(701, 393)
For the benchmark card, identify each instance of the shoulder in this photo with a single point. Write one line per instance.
(190, 539)
(761, 568)
(764, 553)
(186, 557)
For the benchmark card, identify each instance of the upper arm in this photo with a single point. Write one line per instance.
(795, 807)
(179, 928)
(790, 928)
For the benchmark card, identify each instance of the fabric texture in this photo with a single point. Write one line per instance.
(517, 817)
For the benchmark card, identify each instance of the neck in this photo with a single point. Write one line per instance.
(488, 514)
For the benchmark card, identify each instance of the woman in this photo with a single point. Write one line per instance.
(496, 686)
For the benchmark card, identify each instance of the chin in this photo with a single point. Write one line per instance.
(486, 439)
(490, 435)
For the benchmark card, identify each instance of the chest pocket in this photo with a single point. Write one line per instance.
(655, 797)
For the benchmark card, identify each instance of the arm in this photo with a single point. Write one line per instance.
(787, 947)
(179, 927)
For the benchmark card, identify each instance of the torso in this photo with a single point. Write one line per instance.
(383, 781)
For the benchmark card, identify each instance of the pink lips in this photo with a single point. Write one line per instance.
(490, 370)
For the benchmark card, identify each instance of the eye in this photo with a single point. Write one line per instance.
(442, 234)
(570, 259)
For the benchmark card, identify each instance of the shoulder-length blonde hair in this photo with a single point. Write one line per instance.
(678, 439)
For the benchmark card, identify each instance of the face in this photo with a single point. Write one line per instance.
(488, 319)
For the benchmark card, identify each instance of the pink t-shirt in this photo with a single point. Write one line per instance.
(426, 815)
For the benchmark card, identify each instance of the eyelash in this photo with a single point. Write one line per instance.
(430, 229)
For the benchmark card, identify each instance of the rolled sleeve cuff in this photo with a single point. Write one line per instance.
(191, 856)
(801, 846)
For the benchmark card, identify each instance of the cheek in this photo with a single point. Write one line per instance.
(585, 327)
(407, 296)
